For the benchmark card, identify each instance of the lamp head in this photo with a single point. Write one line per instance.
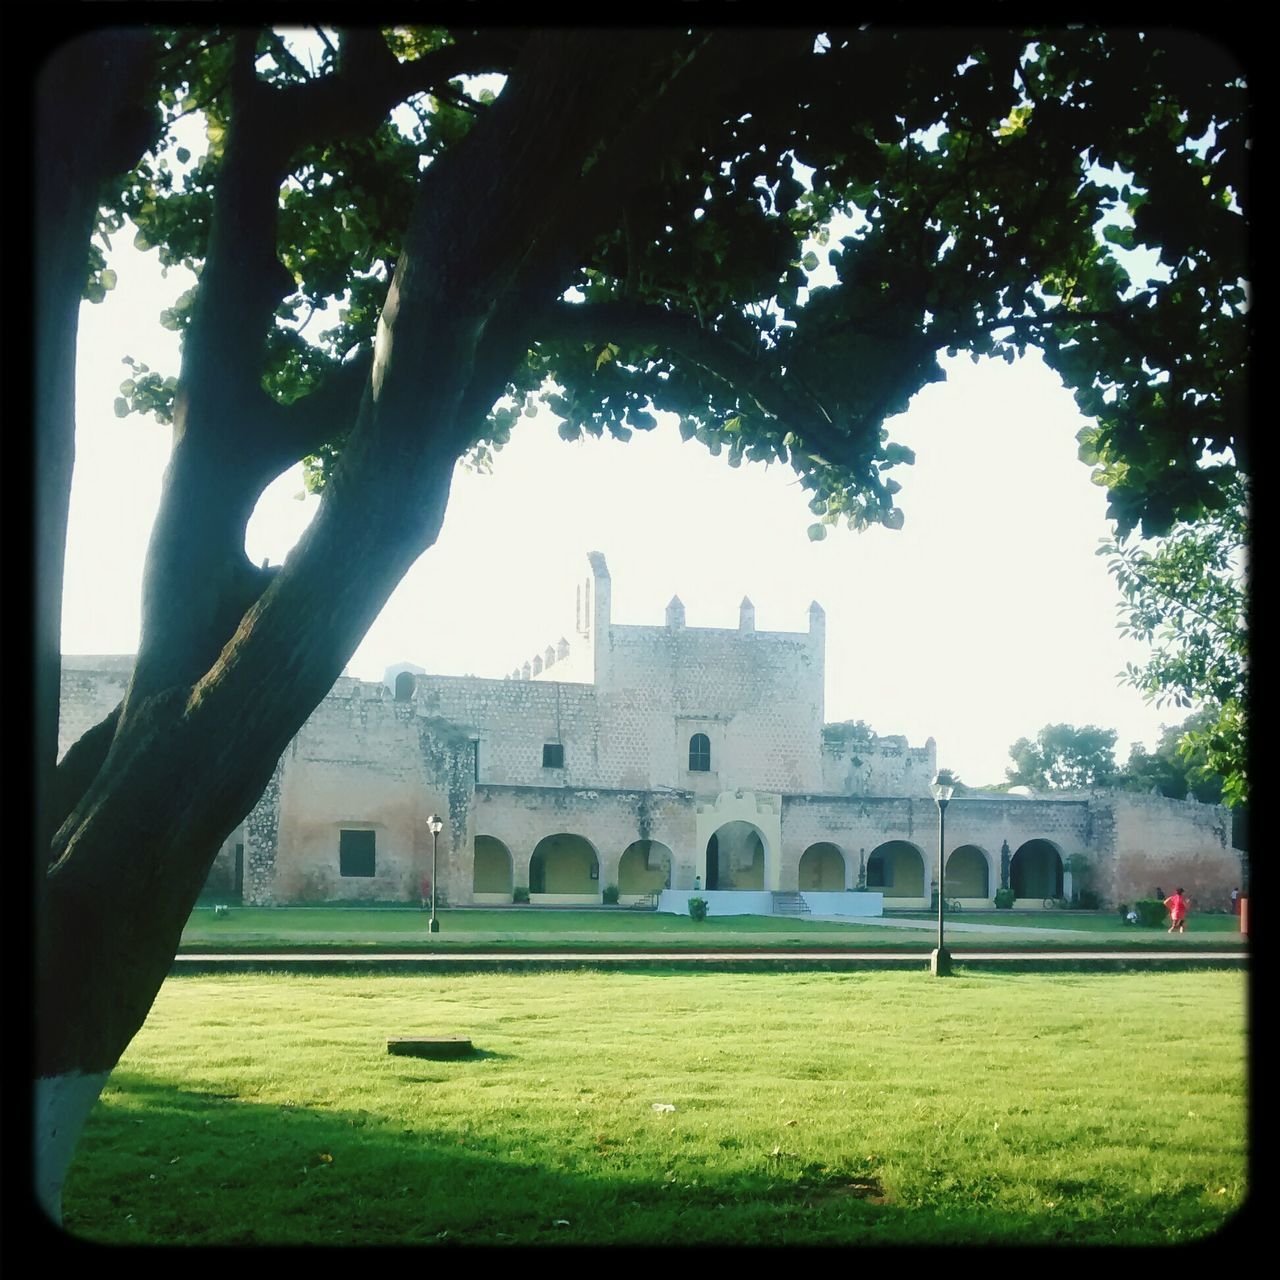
(434, 825)
(943, 786)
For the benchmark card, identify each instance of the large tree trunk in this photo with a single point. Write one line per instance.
(90, 126)
(231, 664)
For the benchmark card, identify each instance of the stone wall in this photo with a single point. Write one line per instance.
(875, 766)
(1152, 841)
(92, 686)
(472, 751)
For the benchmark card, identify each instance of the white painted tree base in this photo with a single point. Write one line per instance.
(62, 1106)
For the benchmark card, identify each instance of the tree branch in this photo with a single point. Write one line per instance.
(78, 768)
(370, 81)
(641, 325)
(322, 415)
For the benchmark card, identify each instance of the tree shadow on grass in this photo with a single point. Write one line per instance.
(162, 1165)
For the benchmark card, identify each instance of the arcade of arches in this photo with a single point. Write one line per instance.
(968, 873)
(564, 864)
(896, 868)
(735, 857)
(822, 868)
(1036, 871)
(645, 867)
(492, 866)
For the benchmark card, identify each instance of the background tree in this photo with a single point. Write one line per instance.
(1063, 757)
(1173, 771)
(625, 225)
(1188, 599)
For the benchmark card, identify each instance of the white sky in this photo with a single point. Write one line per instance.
(985, 618)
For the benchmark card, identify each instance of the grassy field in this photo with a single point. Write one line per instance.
(249, 928)
(808, 1109)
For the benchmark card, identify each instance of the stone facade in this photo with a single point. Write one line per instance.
(652, 757)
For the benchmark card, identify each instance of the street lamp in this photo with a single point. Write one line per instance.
(943, 787)
(435, 826)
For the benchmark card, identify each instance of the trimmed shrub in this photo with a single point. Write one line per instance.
(520, 894)
(610, 895)
(698, 908)
(1151, 912)
(1004, 899)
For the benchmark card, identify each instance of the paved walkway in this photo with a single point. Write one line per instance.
(954, 926)
(484, 958)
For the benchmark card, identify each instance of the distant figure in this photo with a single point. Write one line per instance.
(1235, 902)
(426, 891)
(697, 883)
(1177, 905)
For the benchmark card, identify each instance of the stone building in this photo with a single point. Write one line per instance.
(652, 757)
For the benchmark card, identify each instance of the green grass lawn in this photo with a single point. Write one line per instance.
(531, 928)
(809, 1108)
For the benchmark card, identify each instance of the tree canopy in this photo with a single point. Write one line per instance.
(1000, 185)
(1173, 771)
(622, 222)
(1187, 597)
(1063, 757)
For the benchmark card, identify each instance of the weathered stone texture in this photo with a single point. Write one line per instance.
(471, 750)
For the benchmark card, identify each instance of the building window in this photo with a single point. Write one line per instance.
(553, 755)
(699, 753)
(404, 686)
(355, 853)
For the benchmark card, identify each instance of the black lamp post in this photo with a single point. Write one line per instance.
(435, 826)
(943, 787)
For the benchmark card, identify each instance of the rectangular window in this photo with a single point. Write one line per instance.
(553, 755)
(356, 853)
(475, 759)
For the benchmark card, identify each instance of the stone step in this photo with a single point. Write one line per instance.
(790, 904)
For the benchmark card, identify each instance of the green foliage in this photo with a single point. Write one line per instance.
(1004, 899)
(146, 392)
(610, 895)
(698, 909)
(848, 733)
(1064, 757)
(520, 893)
(997, 184)
(1152, 913)
(1179, 766)
(1188, 599)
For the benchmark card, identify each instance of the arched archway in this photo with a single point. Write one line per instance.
(735, 857)
(645, 867)
(491, 867)
(564, 863)
(822, 868)
(968, 872)
(406, 682)
(1036, 870)
(896, 868)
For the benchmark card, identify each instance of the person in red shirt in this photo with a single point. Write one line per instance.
(1177, 905)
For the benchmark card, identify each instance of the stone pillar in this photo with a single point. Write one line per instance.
(261, 837)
